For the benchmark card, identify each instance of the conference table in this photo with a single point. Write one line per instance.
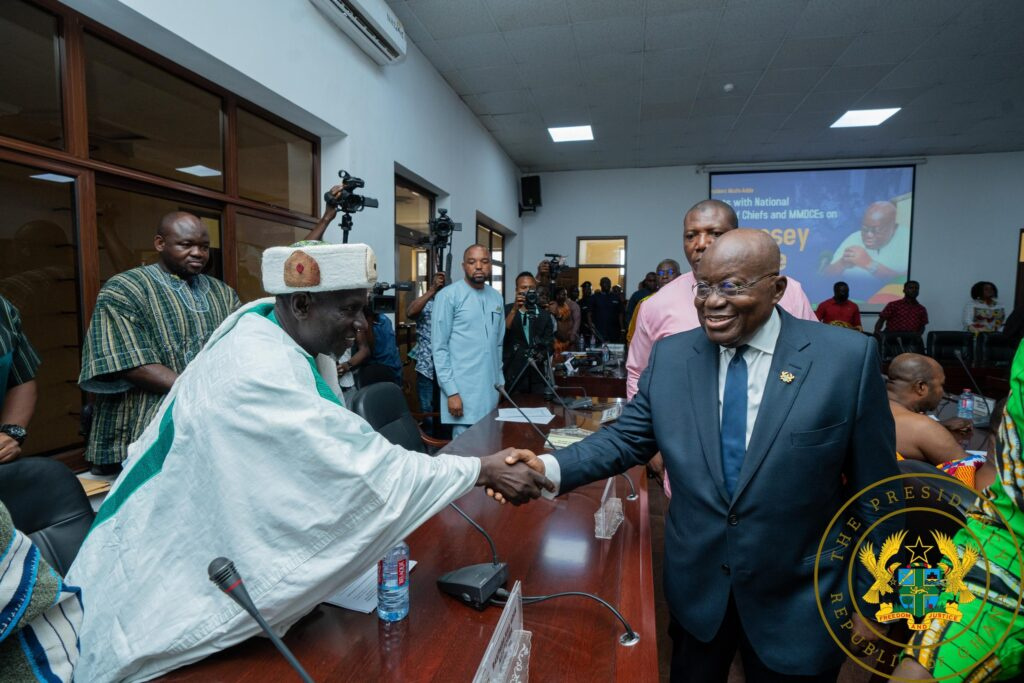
(549, 546)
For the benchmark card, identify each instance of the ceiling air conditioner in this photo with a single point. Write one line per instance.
(370, 24)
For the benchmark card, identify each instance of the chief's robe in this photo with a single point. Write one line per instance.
(250, 457)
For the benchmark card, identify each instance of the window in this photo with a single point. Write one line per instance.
(495, 243)
(600, 257)
(273, 164)
(30, 99)
(253, 235)
(143, 117)
(38, 274)
(99, 139)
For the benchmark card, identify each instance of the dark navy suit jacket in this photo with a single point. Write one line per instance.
(831, 420)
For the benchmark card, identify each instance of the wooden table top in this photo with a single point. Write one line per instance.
(549, 546)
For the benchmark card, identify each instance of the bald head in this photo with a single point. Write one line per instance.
(753, 248)
(915, 382)
(177, 221)
(878, 225)
(705, 222)
(183, 244)
(708, 206)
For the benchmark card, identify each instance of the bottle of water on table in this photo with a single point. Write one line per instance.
(393, 584)
(965, 406)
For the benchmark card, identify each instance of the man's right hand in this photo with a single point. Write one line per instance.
(512, 475)
(656, 467)
(455, 405)
(520, 300)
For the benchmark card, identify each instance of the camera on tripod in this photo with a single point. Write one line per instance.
(555, 265)
(440, 239)
(532, 300)
(347, 201)
(386, 303)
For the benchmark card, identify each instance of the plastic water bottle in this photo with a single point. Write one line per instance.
(965, 407)
(393, 584)
(606, 354)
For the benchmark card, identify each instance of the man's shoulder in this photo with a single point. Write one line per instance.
(681, 343)
(839, 339)
(219, 286)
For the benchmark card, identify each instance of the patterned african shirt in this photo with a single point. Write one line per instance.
(143, 316)
(421, 352)
(18, 360)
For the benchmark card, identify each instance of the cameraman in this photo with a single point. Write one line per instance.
(529, 330)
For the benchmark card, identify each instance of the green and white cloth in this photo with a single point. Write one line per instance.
(250, 457)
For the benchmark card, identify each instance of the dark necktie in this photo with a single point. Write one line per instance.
(526, 325)
(734, 419)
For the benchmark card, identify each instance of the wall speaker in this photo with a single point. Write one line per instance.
(530, 191)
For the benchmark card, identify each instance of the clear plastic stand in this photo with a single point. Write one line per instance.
(609, 516)
(507, 658)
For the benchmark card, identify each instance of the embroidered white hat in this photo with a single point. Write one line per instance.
(312, 266)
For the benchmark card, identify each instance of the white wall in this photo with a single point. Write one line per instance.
(286, 57)
(967, 219)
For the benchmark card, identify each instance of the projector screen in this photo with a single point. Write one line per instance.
(851, 225)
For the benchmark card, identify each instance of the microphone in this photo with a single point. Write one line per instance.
(501, 390)
(475, 584)
(224, 575)
(577, 403)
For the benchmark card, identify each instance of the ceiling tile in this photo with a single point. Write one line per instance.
(888, 47)
(759, 122)
(769, 21)
(576, 115)
(609, 36)
(559, 97)
(681, 63)
(455, 80)
(541, 43)
(491, 79)
(414, 29)
(451, 18)
(887, 98)
(853, 77)
(437, 55)
(508, 102)
(833, 101)
(616, 113)
(743, 83)
(590, 10)
(654, 111)
(816, 51)
(836, 17)
(921, 12)
(789, 81)
(719, 105)
(474, 52)
(512, 14)
(544, 74)
(602, 94)
(689, 29)
(674, 90)
(658, 8)
(745, 56)
(911, 74)
(612, 68)
(771, 104)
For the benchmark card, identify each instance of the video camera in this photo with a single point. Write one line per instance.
(440, 239)
(348, 201)
(556, 265)
(386, 303)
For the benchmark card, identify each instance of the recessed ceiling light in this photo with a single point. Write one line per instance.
(53, 177)
(571, 133)
(199, 170)
(863, 117)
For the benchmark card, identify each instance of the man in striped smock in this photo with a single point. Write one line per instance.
(149, 323)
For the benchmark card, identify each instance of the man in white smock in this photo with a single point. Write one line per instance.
(252, 456)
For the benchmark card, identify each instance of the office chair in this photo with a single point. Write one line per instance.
(943, 345)
(373, 373)
(49, 505)
(383, 406)
(996, 349)
(892, 344)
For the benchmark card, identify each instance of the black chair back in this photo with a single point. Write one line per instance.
(893, 344)
(383, 406)
(373, 373)
(49, 505)
(996, 349)
(943, 345)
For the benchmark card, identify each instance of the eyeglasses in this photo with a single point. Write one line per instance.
(666, 272)
(877, 229)
(727, 289)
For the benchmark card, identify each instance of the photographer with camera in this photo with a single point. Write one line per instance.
(529, 332)
(420, 311)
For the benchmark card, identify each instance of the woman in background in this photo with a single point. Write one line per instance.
(984, 314)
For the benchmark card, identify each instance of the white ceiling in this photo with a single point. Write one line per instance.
(648, 75)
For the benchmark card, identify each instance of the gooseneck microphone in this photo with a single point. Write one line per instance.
(501, 390)
(224, 575)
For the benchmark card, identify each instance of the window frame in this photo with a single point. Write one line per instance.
(581, 266)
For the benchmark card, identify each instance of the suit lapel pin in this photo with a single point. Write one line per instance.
(787, 376)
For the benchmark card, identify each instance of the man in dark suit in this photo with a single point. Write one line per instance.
(529, 330)
(767, 424)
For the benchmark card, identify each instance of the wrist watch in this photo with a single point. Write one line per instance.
(873, 267)
(16, 432)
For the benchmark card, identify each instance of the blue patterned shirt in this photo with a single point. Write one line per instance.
(421, 352)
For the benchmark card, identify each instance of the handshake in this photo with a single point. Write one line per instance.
(514, 475)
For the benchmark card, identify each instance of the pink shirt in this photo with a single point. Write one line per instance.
(671, 311)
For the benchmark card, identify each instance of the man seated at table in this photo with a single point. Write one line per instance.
(914, 385)
(252, 456)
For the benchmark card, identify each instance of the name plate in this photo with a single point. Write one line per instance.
(609, 516)
(507, 658)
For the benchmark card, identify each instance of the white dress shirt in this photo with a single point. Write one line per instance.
(759, 362)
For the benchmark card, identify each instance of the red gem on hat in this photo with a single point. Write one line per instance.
(299, 267)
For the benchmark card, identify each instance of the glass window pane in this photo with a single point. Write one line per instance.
(483, 236)
(274, 165)
(127, 222)
(253, 236)
(144, 118)
(498, 278)
(38, 274)
(30, 99)
(594, 275)
(602, 251)
(412, 209)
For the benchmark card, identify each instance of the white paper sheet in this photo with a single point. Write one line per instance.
(537, 415)
(361, 594)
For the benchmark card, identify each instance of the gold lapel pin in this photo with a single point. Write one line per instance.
(787, 376)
